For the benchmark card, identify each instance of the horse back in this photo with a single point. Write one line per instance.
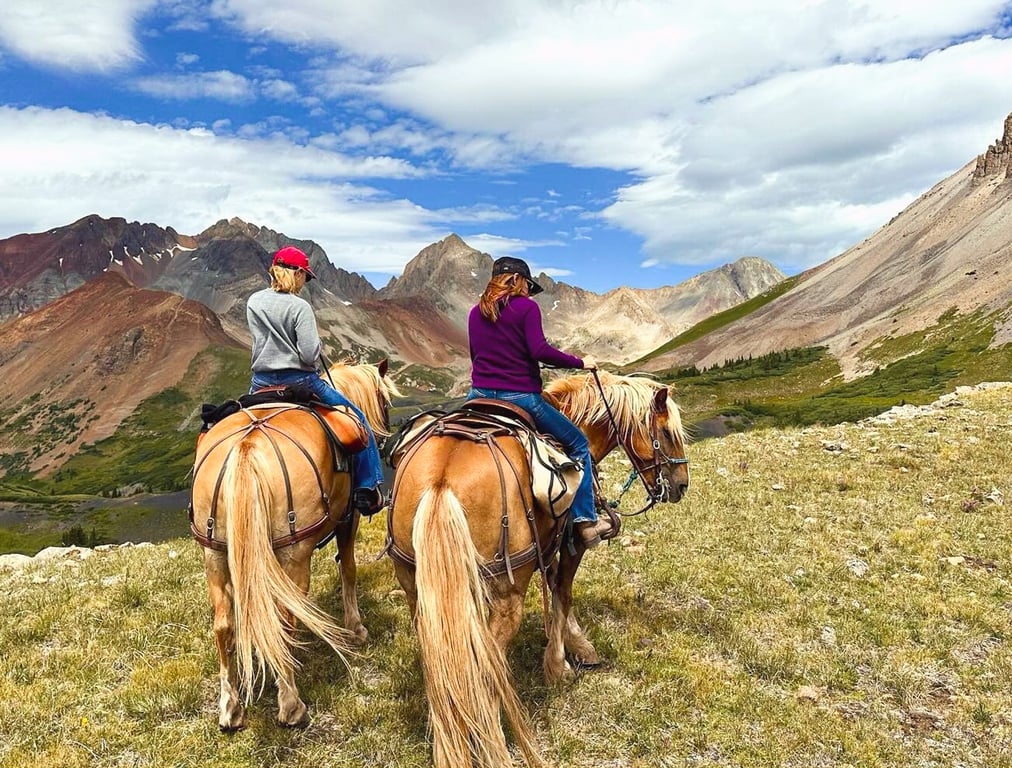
(289, 442)
(470, 471)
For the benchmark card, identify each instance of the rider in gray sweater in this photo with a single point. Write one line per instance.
(286, 348)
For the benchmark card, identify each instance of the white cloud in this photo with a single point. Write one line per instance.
(499, 246)
(70, 165)
(72, 34)
(222, 85)
(802, 166)
(279, 90)
(782, 129)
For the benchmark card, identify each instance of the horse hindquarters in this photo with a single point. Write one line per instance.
(266, 601)
(466, 675)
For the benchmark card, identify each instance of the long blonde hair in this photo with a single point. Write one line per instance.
(498, 292)
(285, 280)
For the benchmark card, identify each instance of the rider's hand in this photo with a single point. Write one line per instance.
(589, 363)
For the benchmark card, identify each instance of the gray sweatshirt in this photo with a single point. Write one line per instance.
(284, 332)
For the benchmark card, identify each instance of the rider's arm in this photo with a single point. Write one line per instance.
(538, 345)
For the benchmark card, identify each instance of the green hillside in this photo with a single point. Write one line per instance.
(827, 596)
(151, 451)
(805, 386)
(717, 321)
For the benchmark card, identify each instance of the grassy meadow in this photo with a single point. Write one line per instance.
(824, 596)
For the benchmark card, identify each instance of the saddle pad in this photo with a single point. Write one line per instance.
(554, 476)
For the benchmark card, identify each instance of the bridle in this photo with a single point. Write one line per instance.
(660, 459)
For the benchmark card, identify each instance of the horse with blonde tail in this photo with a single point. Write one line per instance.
(467, 532)
(467, 679)
(271, 482)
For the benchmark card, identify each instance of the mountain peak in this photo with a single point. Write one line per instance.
(996, 162)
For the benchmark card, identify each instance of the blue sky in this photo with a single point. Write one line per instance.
(619, 142)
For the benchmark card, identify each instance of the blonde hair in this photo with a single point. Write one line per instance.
(285, 280)
(498, 292)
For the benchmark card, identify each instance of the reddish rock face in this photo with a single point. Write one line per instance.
(108, 345)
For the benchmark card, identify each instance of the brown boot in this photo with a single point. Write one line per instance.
(589, 533)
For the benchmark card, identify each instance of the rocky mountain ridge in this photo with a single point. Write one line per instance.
(948, 250)
(224, 264)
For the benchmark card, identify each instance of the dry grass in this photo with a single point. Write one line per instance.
(823, 597)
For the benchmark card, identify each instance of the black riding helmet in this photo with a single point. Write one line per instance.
(506, 265)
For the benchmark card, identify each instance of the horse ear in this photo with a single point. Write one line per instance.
(381, 366)
(660, 404)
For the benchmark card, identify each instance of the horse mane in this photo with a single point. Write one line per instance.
(360, 384)
(629, 397)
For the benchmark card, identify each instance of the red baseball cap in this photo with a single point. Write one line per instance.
(292, 258)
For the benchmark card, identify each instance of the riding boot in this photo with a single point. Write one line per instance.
(368, 501)
(590, 531)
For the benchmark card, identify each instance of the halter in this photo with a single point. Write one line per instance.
(660, 459)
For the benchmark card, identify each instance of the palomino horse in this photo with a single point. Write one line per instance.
(268, 487)
(452, 501)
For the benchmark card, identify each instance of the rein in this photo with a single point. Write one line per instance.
(326, 368)
(660, 459)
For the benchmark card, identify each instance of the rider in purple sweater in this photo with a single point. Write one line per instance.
(507, 342)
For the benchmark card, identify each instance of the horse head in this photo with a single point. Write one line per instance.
(635, 413)
(659, 450)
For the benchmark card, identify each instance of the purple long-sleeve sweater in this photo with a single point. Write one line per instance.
(505, 354)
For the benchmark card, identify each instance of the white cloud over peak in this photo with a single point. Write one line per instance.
(194, 178)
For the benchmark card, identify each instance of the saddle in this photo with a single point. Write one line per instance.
(554, 476)
(344, 429)
(345, 434)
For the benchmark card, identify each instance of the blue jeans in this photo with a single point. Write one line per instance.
(548, 419)
(366, 467)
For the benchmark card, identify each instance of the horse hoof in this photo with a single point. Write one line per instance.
(299, 723)
(231, 728)
(562, 676)
(358, 637)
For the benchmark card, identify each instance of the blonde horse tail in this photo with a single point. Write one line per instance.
(467, 679)
(266, 602)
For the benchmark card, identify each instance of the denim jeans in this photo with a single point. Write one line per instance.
(366, 467)
(548, 419)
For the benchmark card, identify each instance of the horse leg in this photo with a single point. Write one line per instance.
(231, 712)
(349, 591)
(554, 664)
(292, 711)
(575, 641)
(406, 578)
(505, 612)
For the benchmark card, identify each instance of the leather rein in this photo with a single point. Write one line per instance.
(264, 426)
(659, 459)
